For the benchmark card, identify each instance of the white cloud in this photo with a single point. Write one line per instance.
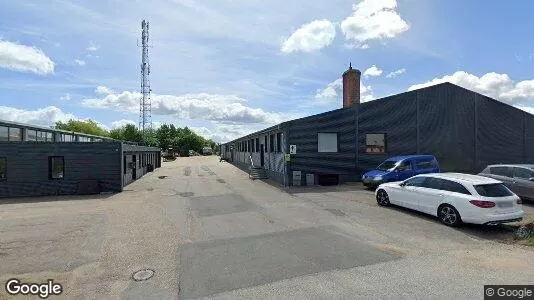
(494, 85)
(529, 109)
(92, 47)
(373, 71)
(310, 37)
(373, 20)
(43, 116)
(23, 58)
(396, 73)
(102, 90)
(121, 123)
(222, 133)
(211, 107)
(79, 62)
(65, 97)
(333, 92)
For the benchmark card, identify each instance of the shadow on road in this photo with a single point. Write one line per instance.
(500, 233)
(39, 199)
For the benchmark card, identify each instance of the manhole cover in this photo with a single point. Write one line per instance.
(143, 275)
(162, 177)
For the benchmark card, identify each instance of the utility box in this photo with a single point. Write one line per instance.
(310, 179)
(297, 178)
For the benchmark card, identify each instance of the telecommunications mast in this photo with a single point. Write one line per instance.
(145, 106)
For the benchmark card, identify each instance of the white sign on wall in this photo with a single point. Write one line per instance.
(292, 149)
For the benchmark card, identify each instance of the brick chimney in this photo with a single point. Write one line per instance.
(351, 87)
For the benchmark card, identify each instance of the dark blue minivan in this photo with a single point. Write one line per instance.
(399, 168)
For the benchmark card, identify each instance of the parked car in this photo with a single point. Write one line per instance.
(454, 198)
(398, 168)
(518, 178)
(207, 151)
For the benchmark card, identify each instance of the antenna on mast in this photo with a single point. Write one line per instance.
(145, 105)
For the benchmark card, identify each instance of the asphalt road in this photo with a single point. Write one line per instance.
(208, 231)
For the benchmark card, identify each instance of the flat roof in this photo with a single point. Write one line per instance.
(44, 128)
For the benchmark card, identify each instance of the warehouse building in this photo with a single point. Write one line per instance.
(465, 131)
(39, 161)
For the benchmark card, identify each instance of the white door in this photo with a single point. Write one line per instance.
(409, 194)
(432, 195)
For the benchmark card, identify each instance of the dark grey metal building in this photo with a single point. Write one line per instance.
(38, 161)
(465, 130)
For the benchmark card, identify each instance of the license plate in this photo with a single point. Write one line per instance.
(505, 204)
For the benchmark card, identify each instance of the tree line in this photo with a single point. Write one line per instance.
(165, 137)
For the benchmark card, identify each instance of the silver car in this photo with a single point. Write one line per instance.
(518, 178)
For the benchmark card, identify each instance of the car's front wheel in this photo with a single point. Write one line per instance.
(382, 198)
(448, 215)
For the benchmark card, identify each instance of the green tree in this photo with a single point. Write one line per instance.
(81, 126)
(128, 133)
(132, 134)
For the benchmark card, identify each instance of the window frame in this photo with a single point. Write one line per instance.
(278, 142)
(408, 162)
(4, 159)
(337, 141)
(19, 134)
(367, 146)
(510, 172)
(415, 178)
(34, 132)
(463, 190)
(271, 143)
(4, 138)
(524, 169)
(50, 167)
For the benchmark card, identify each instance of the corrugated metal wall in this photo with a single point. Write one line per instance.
(303, 133)
(466, 131)
(28, 167)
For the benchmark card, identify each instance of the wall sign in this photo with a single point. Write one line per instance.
(292, 149)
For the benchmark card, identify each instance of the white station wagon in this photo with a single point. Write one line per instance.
(454, 198)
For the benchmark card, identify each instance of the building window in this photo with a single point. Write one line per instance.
(279, 142)
(265, 144)
(375, 143)
(252, 145)
(257, 144)
(41, 136)
(49, 137)
(15, 134)
(4, 134)
(271, 143)
(327, 142)
(31, 135)
(124, 164)
(56, 167)
(3, 168)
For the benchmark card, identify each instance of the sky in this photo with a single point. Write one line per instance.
(226, 68)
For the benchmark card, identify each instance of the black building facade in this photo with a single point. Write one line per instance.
(40, 168)
(465, 131)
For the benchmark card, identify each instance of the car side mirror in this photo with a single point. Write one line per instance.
(402, 184)
(531, 179)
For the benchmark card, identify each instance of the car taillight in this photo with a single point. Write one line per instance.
(519, 201)
(483, 204)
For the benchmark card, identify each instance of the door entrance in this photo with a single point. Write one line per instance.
(134, 169)
(262, 155)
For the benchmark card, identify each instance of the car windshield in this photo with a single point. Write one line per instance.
(493, 190)
(387, 165)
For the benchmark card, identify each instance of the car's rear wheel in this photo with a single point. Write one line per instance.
(382, 198)
(448, 215)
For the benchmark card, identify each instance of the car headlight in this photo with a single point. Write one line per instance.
(378, 178)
